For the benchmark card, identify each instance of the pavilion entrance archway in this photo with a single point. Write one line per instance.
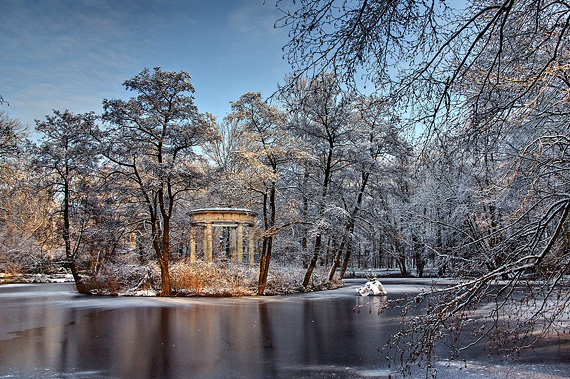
(228, 232)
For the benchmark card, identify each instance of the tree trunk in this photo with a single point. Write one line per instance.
(345, 261)
(269, 221)
(165, 259)
(349, 230)
(305, 229)
(336, 261)
(313, 262)
(318, 239)
(162, 249)
(264, 270)
(418, 255)
(401, 260)
(69, 256)
(79, 285)
(260, 282)
(165, 276)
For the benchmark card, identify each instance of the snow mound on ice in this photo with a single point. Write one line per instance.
(372, 288)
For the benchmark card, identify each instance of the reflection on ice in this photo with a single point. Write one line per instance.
(51, 331)
(282, 336)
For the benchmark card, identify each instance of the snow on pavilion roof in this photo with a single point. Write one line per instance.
(222, 215)
(223, 210)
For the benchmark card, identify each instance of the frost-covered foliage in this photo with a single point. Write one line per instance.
(24, 207)
(485, 88)
(199, 279)
(285, 279)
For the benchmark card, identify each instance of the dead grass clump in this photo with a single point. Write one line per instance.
(209, 279)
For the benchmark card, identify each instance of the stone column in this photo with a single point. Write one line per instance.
(233, 244)
(240, 242)
(251, 253)
(208, 243)
(192, 244)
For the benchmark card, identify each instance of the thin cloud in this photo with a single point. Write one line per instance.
(64, 54)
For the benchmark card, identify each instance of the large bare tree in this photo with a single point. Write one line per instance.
(323, 121)
(264, 148)
(151, 141)
(66, 157)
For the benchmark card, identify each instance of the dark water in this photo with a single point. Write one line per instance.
(51, 331)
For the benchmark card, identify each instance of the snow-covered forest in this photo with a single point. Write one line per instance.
(328, 171)
(454, 165)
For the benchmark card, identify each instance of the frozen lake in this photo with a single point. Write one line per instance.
(48, 330)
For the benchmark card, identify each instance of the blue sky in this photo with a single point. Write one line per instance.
(71, 54)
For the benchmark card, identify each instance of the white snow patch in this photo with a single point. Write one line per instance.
(142, 293)
(372, 288)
